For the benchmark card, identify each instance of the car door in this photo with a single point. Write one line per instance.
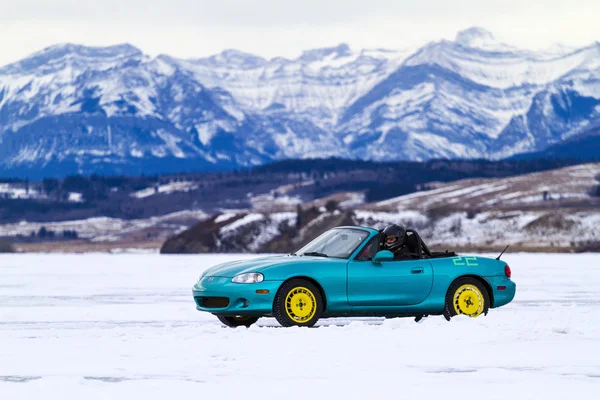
(389, 283)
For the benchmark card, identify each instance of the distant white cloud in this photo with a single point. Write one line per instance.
(196, 28)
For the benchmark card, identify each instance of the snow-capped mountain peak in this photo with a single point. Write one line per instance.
(56, 57)
(72, 108)
(476, 37)
(233, 58)
(339, 51)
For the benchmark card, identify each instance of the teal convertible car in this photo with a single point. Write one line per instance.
(347, 272)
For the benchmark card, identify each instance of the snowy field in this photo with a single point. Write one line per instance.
(125, 327)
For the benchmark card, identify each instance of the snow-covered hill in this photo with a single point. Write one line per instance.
(578, 183)
(72, 108)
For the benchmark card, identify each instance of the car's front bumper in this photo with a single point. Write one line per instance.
(219, 295)
(504, 290)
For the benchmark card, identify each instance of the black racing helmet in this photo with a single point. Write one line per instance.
(395, 236)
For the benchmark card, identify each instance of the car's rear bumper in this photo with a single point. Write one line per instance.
(221, 296)
(504, 290)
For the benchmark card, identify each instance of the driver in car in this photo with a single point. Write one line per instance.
(395, 241)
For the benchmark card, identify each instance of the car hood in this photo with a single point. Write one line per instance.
(232, 268)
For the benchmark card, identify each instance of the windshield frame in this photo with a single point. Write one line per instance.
(352, 252)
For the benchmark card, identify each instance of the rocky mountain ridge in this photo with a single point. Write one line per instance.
(113, 110)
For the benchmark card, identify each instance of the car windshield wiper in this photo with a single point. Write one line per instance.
(315, 253)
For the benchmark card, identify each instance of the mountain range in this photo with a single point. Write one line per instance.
(113, 110)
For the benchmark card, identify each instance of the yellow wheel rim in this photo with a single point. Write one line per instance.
(468, 300)
(300, 305)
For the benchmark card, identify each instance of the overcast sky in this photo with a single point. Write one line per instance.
(195, 28)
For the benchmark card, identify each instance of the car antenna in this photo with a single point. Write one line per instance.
(497, 258)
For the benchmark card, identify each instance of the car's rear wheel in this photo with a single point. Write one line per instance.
(298, 303)
(238, 320)
(466, 296)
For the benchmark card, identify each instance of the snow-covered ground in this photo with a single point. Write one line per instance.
(166, 189)
(20, 190)
(107, 229)
(125, 327)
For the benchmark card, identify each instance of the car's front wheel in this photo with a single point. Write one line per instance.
(466, 296)
(298, 303)
(238, 320)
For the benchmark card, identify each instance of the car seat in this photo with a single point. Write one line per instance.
(410, 248)
(412, 244)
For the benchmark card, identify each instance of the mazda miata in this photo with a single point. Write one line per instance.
(346, 272)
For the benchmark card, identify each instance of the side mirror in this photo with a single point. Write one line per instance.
(383, 255)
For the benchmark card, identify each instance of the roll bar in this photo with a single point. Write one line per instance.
(422, 246)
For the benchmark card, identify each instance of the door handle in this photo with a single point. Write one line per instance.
(418, 270)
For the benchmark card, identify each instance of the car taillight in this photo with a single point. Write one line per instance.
(507, 271)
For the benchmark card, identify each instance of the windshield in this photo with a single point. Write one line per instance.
(336, 243)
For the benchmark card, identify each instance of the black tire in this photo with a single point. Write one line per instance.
(280, 306)
(236, 321)
(450, 309)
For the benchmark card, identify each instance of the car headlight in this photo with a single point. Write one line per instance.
(252, 277)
